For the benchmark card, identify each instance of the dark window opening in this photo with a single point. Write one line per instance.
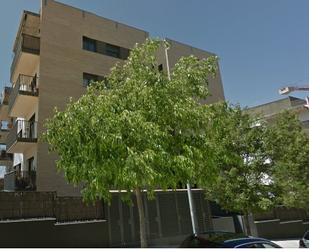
(31, 164)
(89, 44)
(105, 48)
(32, 126)
(89, 78)
(112, 50)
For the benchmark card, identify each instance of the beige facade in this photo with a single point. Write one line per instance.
(269, 111)
(56, 53)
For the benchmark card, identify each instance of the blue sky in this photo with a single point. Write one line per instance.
(263, 45)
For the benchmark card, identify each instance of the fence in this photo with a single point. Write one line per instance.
(23, 205)
(167, 220)
(283, 213)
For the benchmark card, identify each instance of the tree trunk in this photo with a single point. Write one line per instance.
(141, 213)
(247, 224)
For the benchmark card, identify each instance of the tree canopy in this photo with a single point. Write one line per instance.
(138, 129)
(243, 183)
(288, 149)
(261, 163)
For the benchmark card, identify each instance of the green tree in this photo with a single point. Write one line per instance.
(288, 149)
(137, 130)
(243, 184)
(262, 163)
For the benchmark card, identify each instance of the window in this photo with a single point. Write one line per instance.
(89, 44)
(105, 48)
(112, 50)
(31, 166)
(88, 78)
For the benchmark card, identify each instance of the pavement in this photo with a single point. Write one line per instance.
(291, 243)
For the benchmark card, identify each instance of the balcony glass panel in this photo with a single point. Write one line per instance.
(22, 131)
(25, 85)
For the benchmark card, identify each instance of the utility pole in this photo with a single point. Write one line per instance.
(189, 191)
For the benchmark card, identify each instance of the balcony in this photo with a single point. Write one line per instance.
(6, 159)
(22, 136)
(27, 45)
(24, 96)
(4, 103)
(4, 131)
(20, 181)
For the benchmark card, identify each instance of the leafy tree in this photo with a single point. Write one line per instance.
(243, 184)
(288, 149)
(137, 130)
(261, 163)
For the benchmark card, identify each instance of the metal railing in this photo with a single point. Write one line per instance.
(20, 180)
(25, 180)
(25, 131)
(4, 156)
(25, 84)
(25, 43)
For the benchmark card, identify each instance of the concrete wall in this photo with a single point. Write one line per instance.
(178, 49)
(281, 222)
(167, 221)
(224, 224)
(46, 233)
(276, 229)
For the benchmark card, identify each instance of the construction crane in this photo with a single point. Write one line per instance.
(289, 89)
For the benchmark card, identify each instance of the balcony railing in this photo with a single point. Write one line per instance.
(25, 180)
(20, 180)
(25, 85)
(9, 181)
(22, 131)
(28, 44)
(4, 156)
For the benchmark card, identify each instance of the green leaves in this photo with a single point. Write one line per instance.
(138, 129)
(241, 159)
(142, 131)
(288, 147)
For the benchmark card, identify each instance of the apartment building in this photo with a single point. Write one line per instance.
(270, 110)
(57, 52)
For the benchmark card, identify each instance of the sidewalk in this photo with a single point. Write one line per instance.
(291, 243)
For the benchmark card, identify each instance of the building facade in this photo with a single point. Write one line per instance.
(57, 52)
(269, 111)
